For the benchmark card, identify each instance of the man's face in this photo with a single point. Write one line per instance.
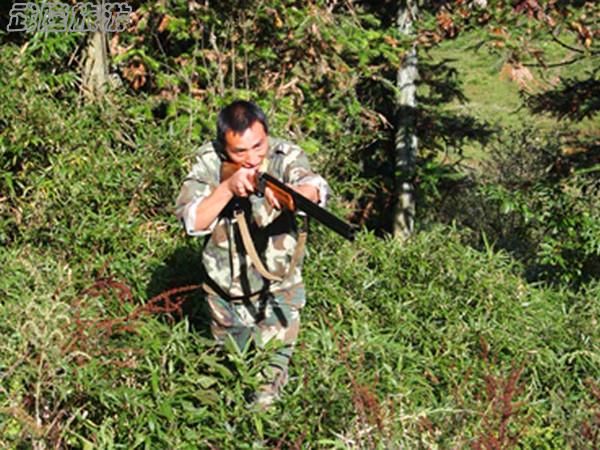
(249, 147)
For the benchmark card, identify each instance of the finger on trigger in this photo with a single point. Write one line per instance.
(248, 185)
(273, 199)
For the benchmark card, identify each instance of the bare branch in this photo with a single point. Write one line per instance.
(558, 41)
(558, 64)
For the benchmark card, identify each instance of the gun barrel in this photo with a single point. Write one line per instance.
(323, 216)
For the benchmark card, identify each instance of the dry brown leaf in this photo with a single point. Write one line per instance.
(519, 74)
(445, 22)
(278, 21)
(390, 41)
(164, 23)
(136, 73)
(497, 31)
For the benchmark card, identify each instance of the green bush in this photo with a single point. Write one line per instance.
(535, 199)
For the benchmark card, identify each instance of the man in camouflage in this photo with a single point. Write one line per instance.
(246, 305)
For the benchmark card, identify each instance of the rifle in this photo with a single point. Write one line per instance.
(293, 201)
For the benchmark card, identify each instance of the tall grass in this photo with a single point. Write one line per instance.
(430, 344)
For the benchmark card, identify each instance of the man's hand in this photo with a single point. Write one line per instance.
(241, 183)
(271, 199)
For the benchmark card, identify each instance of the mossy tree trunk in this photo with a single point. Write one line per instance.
(95, 75)
(406, 138)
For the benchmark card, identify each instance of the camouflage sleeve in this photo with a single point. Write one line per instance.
(298, 171)
(199, 184)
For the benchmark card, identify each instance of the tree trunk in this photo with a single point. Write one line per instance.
(406, 139)
(96, 66)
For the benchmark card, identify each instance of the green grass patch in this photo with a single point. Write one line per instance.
(494, 98)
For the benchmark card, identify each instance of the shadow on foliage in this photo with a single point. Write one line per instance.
(442, 82)
(439, 131)
(179, 270)
(573, 99)
(537, 198)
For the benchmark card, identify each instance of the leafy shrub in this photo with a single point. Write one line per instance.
(537, 196)
(401, 345)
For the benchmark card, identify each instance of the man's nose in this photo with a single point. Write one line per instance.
(253, 160)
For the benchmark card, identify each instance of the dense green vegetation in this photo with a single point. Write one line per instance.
(479, 332)
(432, 344)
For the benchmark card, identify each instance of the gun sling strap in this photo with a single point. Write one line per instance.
(252, 253)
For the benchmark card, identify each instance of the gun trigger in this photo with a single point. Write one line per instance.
(260, 187)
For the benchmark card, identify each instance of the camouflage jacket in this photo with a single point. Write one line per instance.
(273, 231)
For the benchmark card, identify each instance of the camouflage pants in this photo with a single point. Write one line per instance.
(274, 316)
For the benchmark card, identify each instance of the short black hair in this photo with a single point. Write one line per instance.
(238, 116)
